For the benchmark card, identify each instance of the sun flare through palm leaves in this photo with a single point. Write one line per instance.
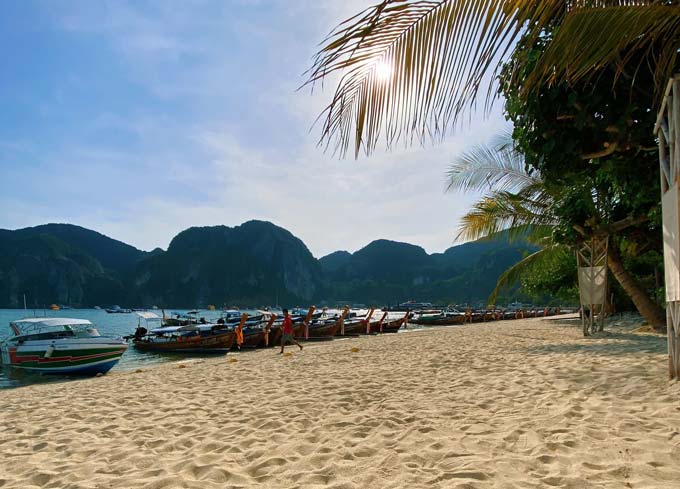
(445, 53)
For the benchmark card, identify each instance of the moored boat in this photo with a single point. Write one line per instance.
(443, 318)
(326, 327)
(354, 326)
(60, 346)
(118, 310)
(190, 338)
(390, 325)
(253, 337)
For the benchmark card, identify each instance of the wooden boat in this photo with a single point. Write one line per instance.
(390, 326)
(178, 320)
(376, 326)
(327, 328)
(443, 318)
(274, 338)
(60, 346)
(355, 326)
(310, 328)
(253, 337)
(190, 338)
(118, 310)
(272, 334)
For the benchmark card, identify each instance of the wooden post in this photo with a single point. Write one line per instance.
(380, 324)
(342, 320)
(268, 328)
(239, 329)
(308, 319)
(368, 320)
(344, 314)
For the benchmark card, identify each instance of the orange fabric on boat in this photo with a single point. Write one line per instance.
(239, 329)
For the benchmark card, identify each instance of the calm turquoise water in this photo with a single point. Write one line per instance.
(107, 324)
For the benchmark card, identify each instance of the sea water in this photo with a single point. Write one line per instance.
(114, 325)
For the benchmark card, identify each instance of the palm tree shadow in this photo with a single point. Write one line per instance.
(616, 340)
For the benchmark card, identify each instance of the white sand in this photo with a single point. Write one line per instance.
(511, 404)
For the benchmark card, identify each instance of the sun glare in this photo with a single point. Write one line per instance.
(383, 71)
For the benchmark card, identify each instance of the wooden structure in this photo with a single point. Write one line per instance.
(591, 259)
(667, 130)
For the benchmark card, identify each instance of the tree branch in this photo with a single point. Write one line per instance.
(609, 149)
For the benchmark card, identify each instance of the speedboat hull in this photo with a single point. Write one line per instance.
(64, 356)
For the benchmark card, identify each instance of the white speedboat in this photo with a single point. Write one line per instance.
(60, 346)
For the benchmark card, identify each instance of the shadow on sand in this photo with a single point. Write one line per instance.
(614, 340)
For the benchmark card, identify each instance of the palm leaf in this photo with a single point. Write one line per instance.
(589, 39)
(540, 258)
(443, 52)
(496, 166)
(439, 52)
(504, 211)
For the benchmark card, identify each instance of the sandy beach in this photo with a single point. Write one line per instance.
(516, 404)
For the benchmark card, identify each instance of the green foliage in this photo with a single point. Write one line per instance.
(593, 144)
(554, 279)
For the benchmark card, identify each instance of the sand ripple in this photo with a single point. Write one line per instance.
(520, 404)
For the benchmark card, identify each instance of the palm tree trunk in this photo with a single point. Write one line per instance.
(653, 314)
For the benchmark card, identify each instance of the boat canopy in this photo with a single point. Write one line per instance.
(180, 329)
(51, 322)
(148, 315)
(28, 325)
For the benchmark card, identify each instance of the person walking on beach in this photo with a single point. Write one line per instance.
(287, 336)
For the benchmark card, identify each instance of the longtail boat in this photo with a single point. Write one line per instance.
(391, 326)
(190, 338)
(443, 318)
(352, 326)
(252, 337)
(377, 326)
(327, 328)
(60, 346)
(321, 328)
(272, 334)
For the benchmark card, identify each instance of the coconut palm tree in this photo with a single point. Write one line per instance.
(514, 201)
(411, 68)
(518, 202)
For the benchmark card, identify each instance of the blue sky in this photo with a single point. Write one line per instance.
(141, 118)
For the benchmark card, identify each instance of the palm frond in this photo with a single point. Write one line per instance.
(504, 211)
(442, 52)
(496, 166)
(439, 53)
(590, 38)
(540, 258)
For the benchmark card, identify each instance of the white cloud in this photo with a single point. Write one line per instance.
(223, 136)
